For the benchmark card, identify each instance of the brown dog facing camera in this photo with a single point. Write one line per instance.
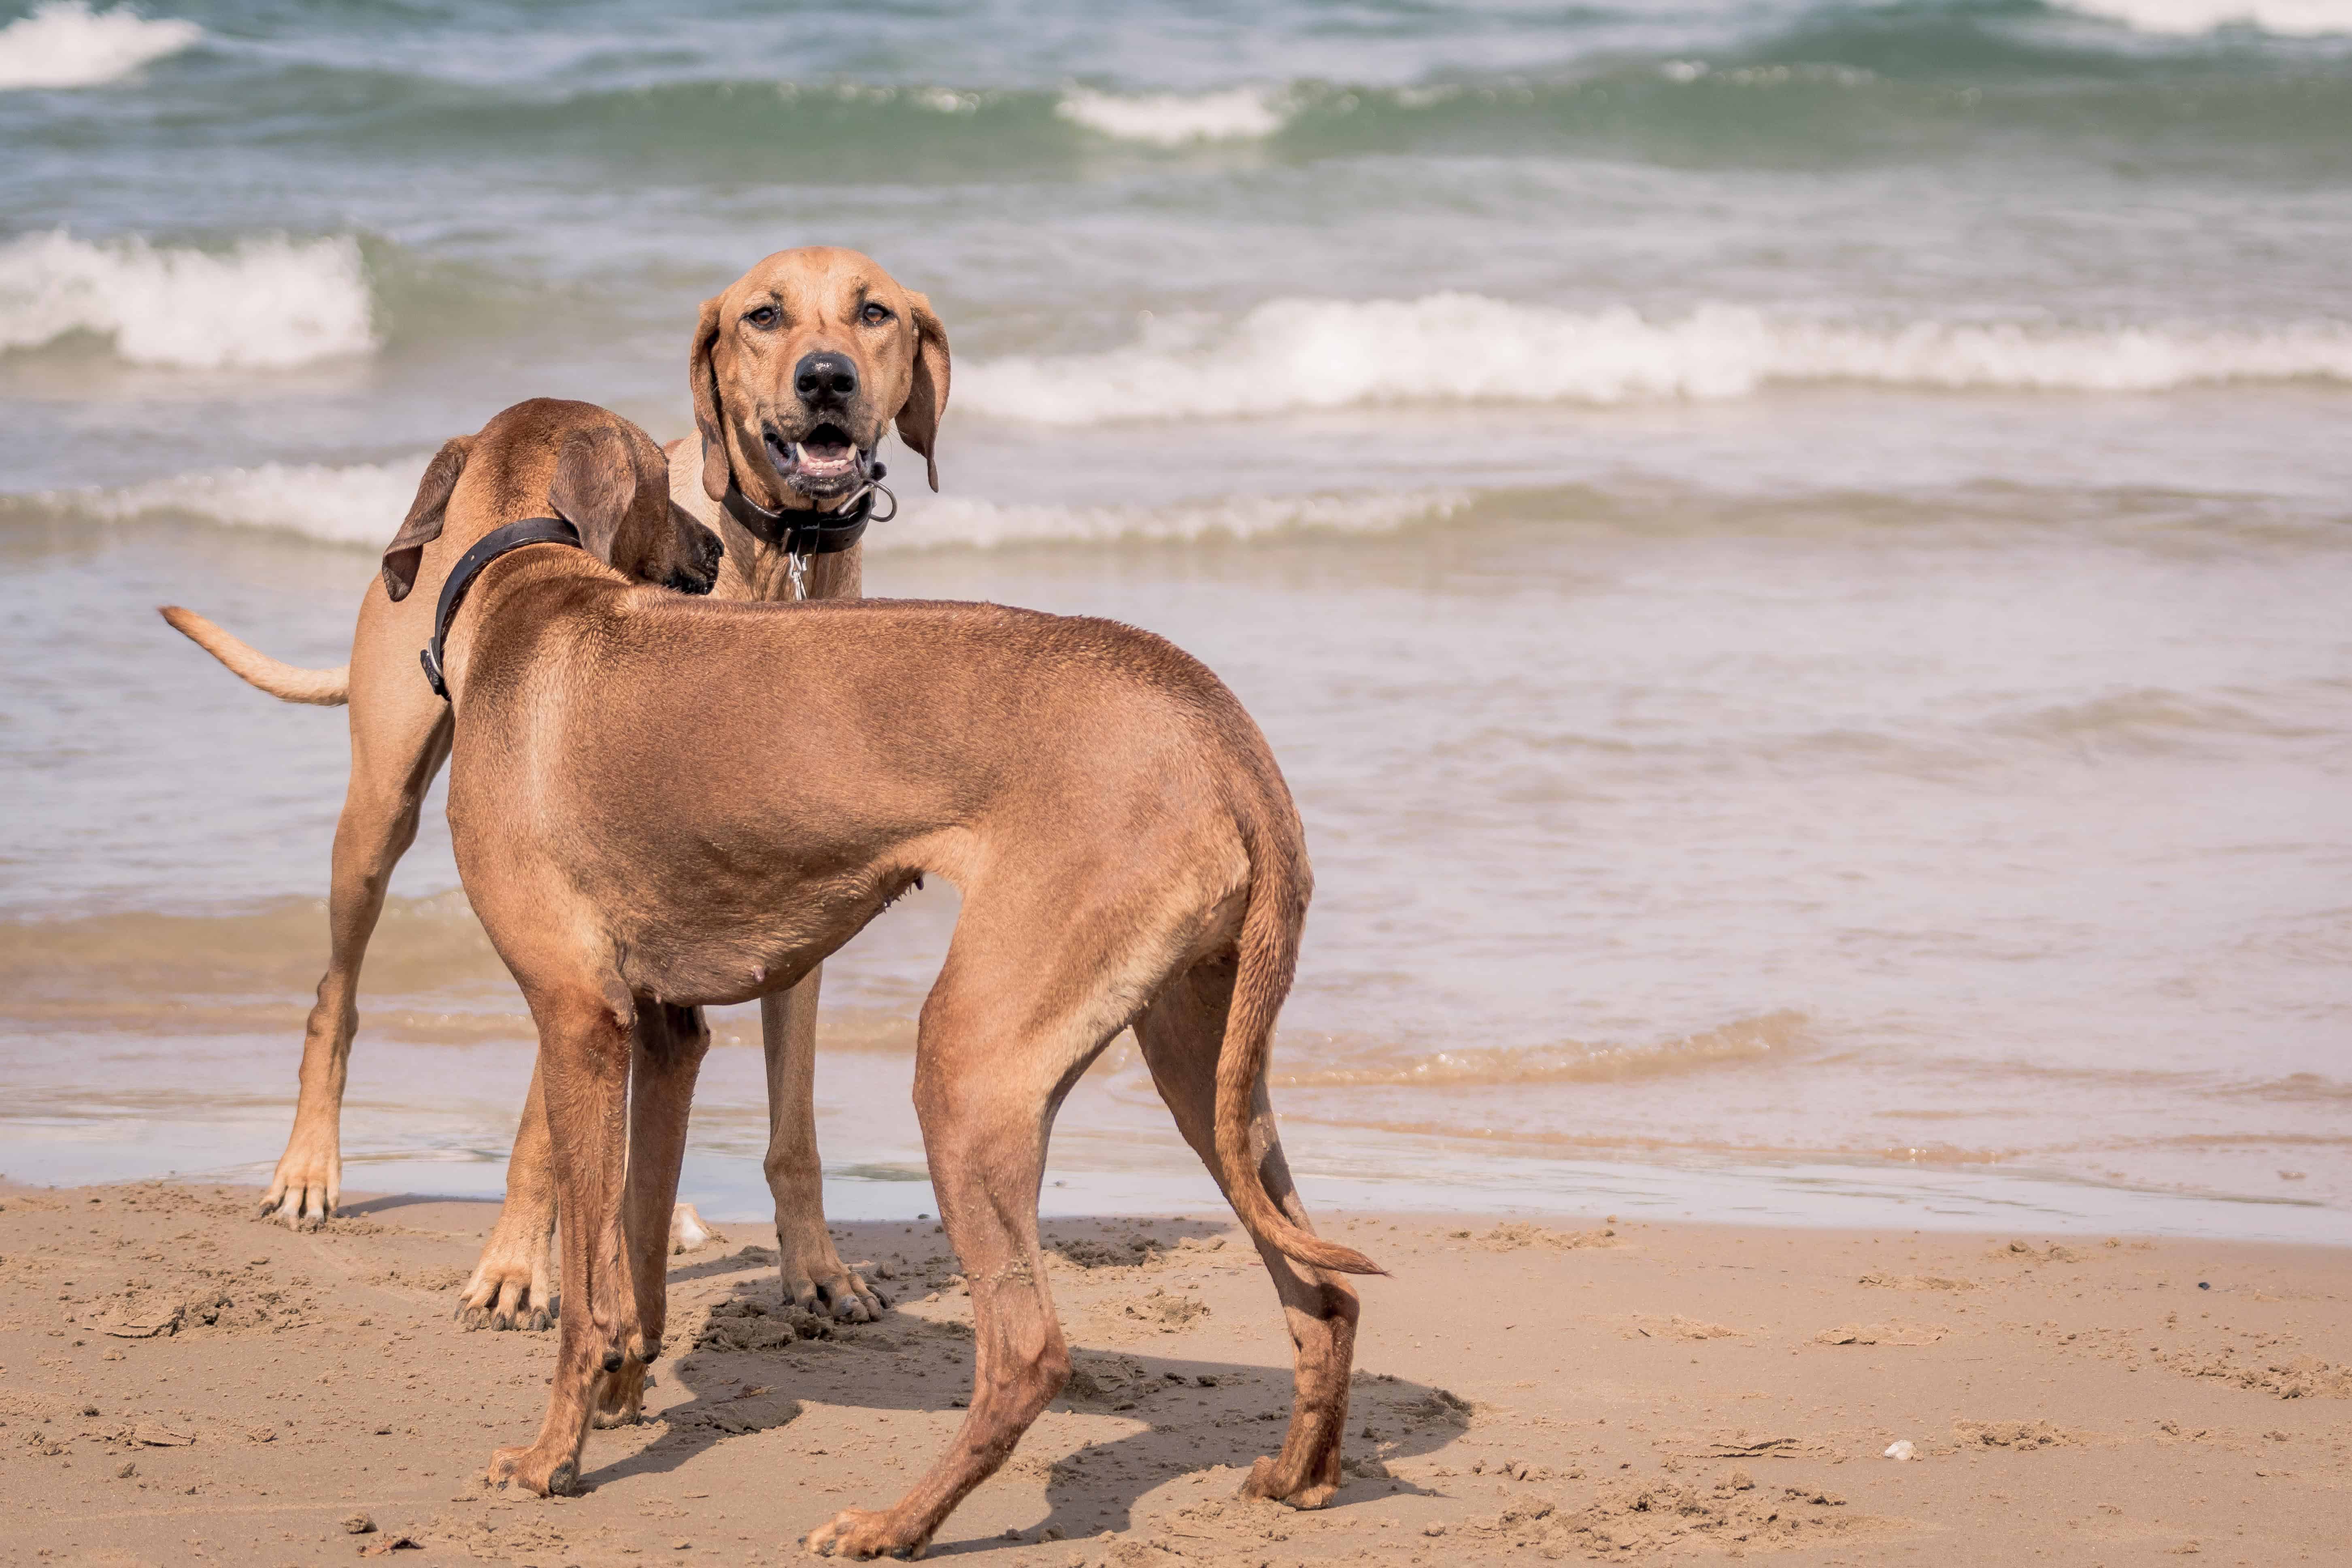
(1128, 856)
(795, 372)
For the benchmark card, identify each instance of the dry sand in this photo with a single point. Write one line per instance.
(179, 1383)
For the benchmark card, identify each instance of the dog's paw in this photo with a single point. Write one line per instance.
(303, 1190)
(621, 1396)
(863, 1532)
(506, 1304)
(547, 1475)
(298, 1209)
(510, 1287)
(1266, 1479)
(835, 1291)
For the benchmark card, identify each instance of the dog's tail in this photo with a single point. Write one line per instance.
(1269, 955)
(286, 682)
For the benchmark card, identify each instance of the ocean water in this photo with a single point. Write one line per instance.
(1795, 555)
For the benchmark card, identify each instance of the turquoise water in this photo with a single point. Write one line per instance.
(1793, 554)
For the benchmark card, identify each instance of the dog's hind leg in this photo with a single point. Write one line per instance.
(586, 1040)
(670, 1044)
(1182, 1032)
(815, 1279)
(986, 1087)
(400, 738)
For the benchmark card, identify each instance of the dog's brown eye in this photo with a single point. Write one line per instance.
(765, 316)
(875, 315)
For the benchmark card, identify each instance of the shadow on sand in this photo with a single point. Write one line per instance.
(1192, 1414)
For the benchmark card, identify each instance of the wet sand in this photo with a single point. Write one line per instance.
(180, 1383)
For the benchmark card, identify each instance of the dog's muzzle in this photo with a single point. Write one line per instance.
(700, 575)
(823, 463)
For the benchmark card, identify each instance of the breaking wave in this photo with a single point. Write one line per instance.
(271, 303)
(2300, 18)
(360, 503)
(932, 524)
(1309, 353)
(1847, 92)
(1174, 118)
(67, 44)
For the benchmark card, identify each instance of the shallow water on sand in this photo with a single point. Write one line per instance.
(1794, 559)
(1985, 846)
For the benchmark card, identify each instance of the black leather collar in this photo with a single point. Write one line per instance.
(486, 549)
(803, 532)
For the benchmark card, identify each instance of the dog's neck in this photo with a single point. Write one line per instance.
(807, 532)
(486, 550)
(760, 564)
(459, 629)
(753, 568)
(758, 571)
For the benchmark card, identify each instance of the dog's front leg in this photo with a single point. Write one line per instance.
(511, 1287)
(395, 753)
(815, 1279)
(583, 1058)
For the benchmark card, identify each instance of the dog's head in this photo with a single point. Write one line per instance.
(613, 487)
(799, 368)
(609, 482)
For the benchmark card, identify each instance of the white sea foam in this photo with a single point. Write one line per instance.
(270, 304)
(363, 503)
(1174, 118)
(2298, 17)
(67, 44)
(941, 522)
(1305, 354)
(359, 504)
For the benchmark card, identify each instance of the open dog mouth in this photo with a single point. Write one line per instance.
(823, 462)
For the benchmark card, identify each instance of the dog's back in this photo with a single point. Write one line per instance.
(840, 747)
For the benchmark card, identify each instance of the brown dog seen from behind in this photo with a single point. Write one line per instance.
(537, 457)
(786, 448)
(1128, 856)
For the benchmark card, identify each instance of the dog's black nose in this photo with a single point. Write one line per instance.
(825, 378)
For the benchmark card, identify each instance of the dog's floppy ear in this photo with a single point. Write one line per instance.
(926, 397)
(595, 484)
(702, 375)
(422, 526)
